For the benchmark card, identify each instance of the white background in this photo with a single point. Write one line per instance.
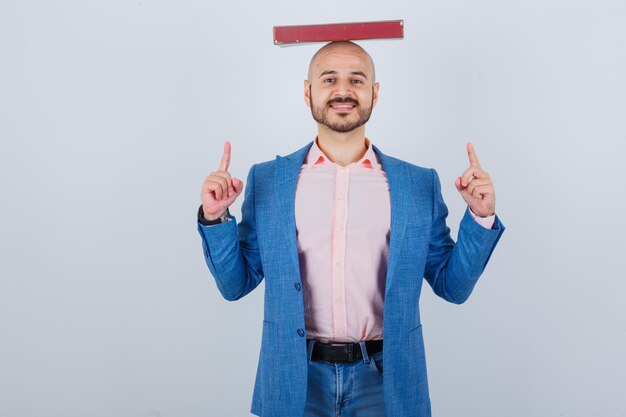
(113, 112)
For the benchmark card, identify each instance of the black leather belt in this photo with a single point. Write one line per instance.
(342, 352)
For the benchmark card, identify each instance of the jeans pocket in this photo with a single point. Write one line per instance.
(376, 363)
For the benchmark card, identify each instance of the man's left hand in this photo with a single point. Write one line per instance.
(476, 187)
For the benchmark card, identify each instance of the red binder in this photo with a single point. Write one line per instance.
(390, 29)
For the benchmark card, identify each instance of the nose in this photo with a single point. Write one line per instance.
(344, 88)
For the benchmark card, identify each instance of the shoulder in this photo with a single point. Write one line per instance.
(388, 160)
(297, 155)
(415, 169)
(417, 173)
(423, 180)
(261, 173)
(267, 169)
(423, 177)
(263, 167)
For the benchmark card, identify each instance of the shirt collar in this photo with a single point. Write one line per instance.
(368, 160)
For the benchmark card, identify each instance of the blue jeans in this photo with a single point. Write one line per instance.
(346, 389)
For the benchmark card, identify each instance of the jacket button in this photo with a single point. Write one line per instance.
(297, 285)
(300, 332)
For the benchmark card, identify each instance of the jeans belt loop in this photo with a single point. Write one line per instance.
(366, 357)
(310, 346)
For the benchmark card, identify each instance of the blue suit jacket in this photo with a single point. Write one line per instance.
(264, 245)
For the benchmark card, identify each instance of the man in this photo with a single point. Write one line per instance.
(343, 235)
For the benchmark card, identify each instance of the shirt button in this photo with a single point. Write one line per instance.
(337, 264)
(339, 299)
(300, 332)
(297, 285)
(340, 196)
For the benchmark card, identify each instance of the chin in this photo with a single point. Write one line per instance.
(343, 128)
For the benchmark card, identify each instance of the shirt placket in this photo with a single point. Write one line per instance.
(340, 313)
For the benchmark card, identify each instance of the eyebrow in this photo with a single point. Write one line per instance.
(333, 72)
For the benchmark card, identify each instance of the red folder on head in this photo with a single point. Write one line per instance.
(390, 29)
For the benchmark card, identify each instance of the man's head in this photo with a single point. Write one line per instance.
(341, 88)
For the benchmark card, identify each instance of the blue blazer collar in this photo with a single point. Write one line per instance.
(298, 156)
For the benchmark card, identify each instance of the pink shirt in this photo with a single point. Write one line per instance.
(343, 217)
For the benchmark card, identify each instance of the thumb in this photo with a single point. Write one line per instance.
(458, 185)
(237, 185)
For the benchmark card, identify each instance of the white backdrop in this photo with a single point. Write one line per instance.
(113, 112)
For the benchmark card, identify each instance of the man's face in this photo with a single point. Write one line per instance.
(340, 89)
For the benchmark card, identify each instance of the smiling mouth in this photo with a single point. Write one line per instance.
(342, 107)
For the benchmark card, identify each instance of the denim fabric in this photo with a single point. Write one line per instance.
(346, 389)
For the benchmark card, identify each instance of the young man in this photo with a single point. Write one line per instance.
(343, 235)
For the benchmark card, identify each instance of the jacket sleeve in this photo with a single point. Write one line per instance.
(231, 250)
(452, 269)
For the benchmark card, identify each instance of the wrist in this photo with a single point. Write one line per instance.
(209, 221)
(481, 216)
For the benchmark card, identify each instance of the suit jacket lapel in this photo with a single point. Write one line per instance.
(285, 181)
(399, 195)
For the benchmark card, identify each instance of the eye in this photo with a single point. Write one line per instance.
(357, 82)
(328, 80)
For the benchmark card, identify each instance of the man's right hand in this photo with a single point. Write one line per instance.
(219, 189)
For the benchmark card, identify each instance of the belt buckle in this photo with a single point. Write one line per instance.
(348, 349)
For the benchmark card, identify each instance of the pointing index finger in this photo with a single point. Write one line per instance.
(225, 157)
(472, 155)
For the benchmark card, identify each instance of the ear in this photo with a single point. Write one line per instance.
(307, 93)
(375, 94)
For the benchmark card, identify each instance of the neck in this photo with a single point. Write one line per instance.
(342, 148)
